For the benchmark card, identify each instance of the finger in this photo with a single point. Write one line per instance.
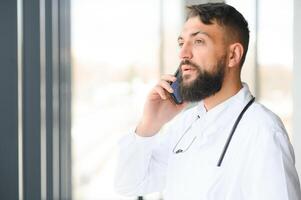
(161, 92)
(166, 86)
(168, 77)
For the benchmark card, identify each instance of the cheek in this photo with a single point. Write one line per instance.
(205, 58)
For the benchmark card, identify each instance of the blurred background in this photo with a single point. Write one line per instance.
(119, 50)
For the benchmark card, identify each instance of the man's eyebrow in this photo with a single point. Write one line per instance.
(199, 32)
(194, 34)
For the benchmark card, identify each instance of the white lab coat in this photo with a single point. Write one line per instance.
(258, 165)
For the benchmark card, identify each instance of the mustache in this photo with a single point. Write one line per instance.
(188, 62)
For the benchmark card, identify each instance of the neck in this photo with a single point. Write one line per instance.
(229, 88)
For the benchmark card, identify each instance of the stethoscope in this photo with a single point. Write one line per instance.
(219, 163)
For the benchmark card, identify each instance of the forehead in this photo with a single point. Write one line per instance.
(194, 24)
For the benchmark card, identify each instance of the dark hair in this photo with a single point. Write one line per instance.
(225, 16)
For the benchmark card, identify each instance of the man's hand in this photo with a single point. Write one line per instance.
(159, 108)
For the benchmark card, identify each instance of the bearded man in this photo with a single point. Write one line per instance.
(228, 146)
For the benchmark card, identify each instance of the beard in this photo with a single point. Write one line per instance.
(205, 84)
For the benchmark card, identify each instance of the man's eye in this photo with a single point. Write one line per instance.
(181, 44)
(199, 41)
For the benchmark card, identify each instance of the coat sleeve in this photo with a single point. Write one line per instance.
(271, 172)
(142, 164)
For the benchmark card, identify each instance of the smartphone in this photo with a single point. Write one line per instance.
(176, 95)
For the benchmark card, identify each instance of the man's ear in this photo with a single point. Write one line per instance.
(236, 51)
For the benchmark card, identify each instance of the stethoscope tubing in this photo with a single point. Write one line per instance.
(233, 130)
(221, 158)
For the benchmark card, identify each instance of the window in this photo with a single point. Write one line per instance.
(117, 56)
(275, 57)
(270, 54)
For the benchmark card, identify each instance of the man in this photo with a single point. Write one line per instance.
(226, 147)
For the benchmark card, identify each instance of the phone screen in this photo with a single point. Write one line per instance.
(176, 95)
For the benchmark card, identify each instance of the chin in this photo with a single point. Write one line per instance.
(188, 80)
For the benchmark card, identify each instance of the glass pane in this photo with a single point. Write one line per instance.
(274, 50)
(248, 9)
(115, 62)
(275, 57)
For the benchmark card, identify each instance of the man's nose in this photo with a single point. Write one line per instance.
(185, 52)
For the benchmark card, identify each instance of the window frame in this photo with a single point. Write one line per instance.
(35, 110)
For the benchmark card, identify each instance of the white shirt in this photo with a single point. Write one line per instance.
(259, 163)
